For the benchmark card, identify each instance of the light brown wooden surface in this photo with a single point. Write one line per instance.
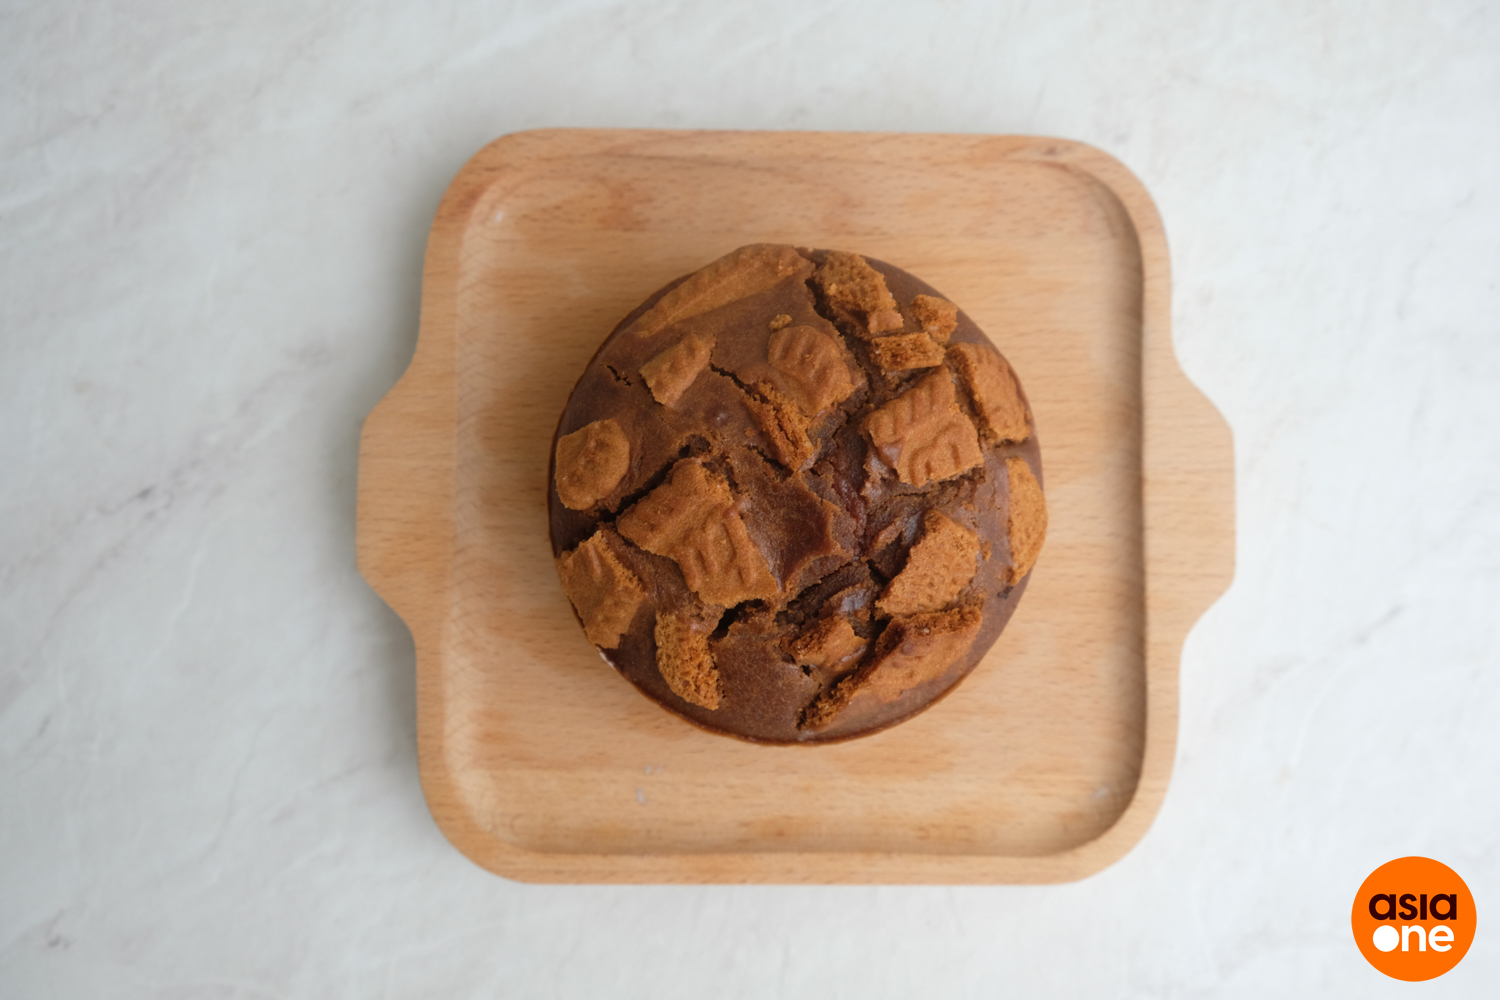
(1048, 763)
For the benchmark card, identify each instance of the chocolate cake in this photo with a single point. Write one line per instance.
(796, 495)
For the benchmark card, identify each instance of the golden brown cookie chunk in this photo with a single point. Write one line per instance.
(694, 520)
(922, 433)
(590, 463)
(684, 659)
(849, 282)
(603, 591)
(814, 364)
(905, 351)
(913, 650)
(939, 566)
(989, 382)
(832, 642)
(784, 425)
(937, 317)
(780, 320)
(669, 374)
(1027, 523)
(734, 276)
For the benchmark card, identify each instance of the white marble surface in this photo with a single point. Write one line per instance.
(211, 227)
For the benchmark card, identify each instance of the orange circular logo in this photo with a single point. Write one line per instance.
(1413, 918)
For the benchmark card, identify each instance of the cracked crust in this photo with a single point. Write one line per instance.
(809, 534)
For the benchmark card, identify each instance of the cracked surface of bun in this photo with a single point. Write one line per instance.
(796, 495)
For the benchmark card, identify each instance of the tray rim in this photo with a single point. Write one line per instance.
(409, 439)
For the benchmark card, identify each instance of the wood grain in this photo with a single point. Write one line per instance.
(1048, 763)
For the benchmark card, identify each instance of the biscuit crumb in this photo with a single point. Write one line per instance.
(937, 317)
(694, 520)
(684, 659)
(849, 282)
(780, 321)
(590, 462)
(922, 433)
(905, 351)
(669, 374)
(734, 276)
(991, 385)
(1027, 523)
(603, 590)
(939, 566)
(832, 642)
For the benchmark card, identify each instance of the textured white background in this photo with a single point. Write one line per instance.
(212, 220)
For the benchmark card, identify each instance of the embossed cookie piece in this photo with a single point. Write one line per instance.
(605, 593)
(923, 435)
(814, 365)
(905, 351)
(939, 566)
(850, 283)
(937, 317)
(684, 659)
(784, 425)
(991, 385)
(830, 643)
(913, 650)
(737, 275)
(590, 463)
(669, 373)
(694, 520)
(1027, 523)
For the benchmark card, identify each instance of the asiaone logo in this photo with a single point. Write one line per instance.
(1413, 918)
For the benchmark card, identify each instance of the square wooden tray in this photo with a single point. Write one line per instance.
(540, 763)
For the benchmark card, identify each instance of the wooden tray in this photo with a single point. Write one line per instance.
(540, 763)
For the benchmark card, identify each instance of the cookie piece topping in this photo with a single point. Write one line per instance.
(912, 650)
(590, 463)
(991, 385)
(694, 520)
(603, 590)
(831, 643)
(737, 275)
(814, 366)
(1027, 523)
(905, 351)
(684, 659)
(850, 283)
(922, 434)
(939, 566)
(669, 374)
(937, 317)
(784, 425)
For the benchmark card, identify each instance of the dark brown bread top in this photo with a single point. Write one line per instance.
(796, 495)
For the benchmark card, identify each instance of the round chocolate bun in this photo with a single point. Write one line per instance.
(796, 496)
